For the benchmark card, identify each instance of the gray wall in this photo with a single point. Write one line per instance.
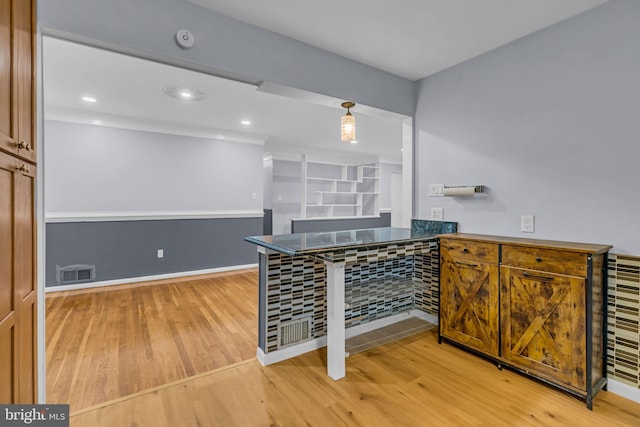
(308, 226)
(97, 168)
(128, 249)
(223, 46)
(102, 170)
(550, 124)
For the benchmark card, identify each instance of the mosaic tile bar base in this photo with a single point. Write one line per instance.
(379, 282)
(623, 335)
(427, 289)
(295, 290)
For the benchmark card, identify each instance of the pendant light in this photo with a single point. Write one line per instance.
(348, 124)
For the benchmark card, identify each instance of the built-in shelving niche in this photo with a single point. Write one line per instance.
(339, 190)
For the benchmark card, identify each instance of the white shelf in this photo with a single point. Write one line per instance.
(315, 178)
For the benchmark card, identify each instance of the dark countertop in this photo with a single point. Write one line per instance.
(313, 243)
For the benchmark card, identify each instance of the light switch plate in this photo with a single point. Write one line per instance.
(437, 214)
(436, 190)
(160, 253)
(527, 223)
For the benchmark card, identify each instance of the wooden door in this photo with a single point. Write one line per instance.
(17, 47)
(469, 304)
(18, 324)
(543, 324)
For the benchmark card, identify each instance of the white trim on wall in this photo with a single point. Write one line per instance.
(89, 285)
(52, 217)
(624, 390)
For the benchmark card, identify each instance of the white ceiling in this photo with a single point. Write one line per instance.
(410, 38)
(128, 93)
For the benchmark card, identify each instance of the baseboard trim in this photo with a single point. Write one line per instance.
(624, 390)
(425, 316)
(114, 282)
(317, 343)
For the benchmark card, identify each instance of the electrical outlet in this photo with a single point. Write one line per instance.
(527, 224)
(437, 214)
(254, 196)
(160, 253)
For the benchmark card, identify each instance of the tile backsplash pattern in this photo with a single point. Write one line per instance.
(295, 290)
(623, 310)
(427, 283)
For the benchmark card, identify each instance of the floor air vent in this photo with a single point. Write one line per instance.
(294, 332)
(75, 274)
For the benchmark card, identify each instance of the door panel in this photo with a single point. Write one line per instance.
(469, 304)
(7, 359)
(7, 172)
(26, 344)
(23, 78)
(6, 138)
(17, 281)
(543, 330)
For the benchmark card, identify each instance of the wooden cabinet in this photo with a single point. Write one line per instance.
(469, 294)
(17, 85)
(548, 316)
(18, 347)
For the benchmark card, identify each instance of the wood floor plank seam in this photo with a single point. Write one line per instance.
(160, 387)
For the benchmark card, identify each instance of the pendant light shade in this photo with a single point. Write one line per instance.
(348, 124)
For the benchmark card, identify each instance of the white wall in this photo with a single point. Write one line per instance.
(101, 169)
(550, 124)
(385, 183)
(287, 194)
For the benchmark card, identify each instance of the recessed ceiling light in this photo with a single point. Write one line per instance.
(89, 99)
(184, 93)
(246, 122)
(96, 122)
(355, 141)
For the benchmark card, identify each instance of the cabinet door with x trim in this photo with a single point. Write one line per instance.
(543, 323)
(469, 304)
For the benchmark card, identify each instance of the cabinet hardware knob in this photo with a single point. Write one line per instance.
(23, 168)
(28, 147)
(20, 144)
(539, 259)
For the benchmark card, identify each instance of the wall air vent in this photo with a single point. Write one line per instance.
(294, 332)
(78, 273)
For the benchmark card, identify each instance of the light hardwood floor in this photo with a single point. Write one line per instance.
(104, 343)
(412, 382)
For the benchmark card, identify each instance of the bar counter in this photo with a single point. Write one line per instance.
(314, 287)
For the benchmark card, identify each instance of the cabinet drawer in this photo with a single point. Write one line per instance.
(551, 260)
(469, 250)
